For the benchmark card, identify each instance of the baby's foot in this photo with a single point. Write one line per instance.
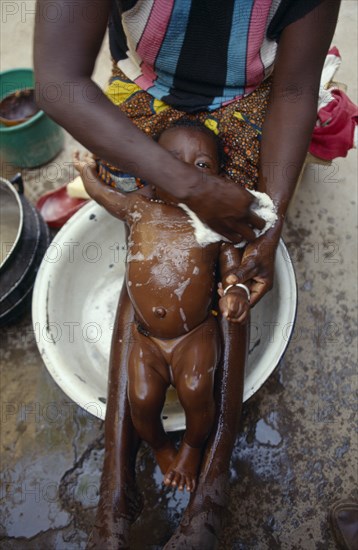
(165, 456)
(184, 469)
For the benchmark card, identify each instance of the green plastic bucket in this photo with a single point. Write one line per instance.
(31, 143)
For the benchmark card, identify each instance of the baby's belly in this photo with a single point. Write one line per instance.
(169, 302)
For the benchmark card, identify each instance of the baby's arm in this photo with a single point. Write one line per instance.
(234, 305)
(116, 203)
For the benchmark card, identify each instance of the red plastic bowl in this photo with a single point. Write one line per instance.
(56, 207)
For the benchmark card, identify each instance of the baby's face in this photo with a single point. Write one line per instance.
(192, 146)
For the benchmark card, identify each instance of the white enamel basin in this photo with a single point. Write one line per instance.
(75, 299)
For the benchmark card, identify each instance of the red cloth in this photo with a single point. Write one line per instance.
(334, 135)
(334, 51)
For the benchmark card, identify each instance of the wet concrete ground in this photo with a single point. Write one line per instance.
(297, 448)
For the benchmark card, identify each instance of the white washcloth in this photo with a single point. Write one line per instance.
(263, 206)
(331, 65)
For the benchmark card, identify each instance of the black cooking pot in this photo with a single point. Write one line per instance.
(20, 263)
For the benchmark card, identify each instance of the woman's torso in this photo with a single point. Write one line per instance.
(194, 54)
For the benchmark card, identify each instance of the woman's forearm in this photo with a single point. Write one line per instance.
(65, 51)
(121, 143)
(293, 103)
(286, 136)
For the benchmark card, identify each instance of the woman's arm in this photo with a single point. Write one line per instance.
(292, 110)
(288, 128)
(68, 36)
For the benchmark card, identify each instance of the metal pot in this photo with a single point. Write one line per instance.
(20, 265)
(11, 219)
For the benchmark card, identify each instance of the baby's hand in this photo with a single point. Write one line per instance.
(234, 305)
(87, 169)
(84, 164)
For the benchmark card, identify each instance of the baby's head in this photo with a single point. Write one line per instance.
(192, 142)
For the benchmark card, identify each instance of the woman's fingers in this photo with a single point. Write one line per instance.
(258, 290)
(242, 317)
(255, 220)
(245, 231)
(234, 231)
(259, 285)
(247, 271)
(257, 268)
(225, 208)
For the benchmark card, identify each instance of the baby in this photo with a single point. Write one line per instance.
(171, 280)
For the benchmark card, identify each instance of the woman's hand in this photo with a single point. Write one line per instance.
(225, 207)
(257, 265)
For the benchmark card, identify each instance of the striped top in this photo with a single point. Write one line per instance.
(199, 54)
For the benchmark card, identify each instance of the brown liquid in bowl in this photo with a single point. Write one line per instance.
(17, 107)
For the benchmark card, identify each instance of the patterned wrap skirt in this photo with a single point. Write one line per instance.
(237, 124)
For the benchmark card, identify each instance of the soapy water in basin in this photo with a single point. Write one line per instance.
(98, 314)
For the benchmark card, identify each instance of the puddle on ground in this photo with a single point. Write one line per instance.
(29, 498)
(163, 507)
(266, 435)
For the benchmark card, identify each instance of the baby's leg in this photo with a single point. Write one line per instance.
(194, 363)
(148, 380)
